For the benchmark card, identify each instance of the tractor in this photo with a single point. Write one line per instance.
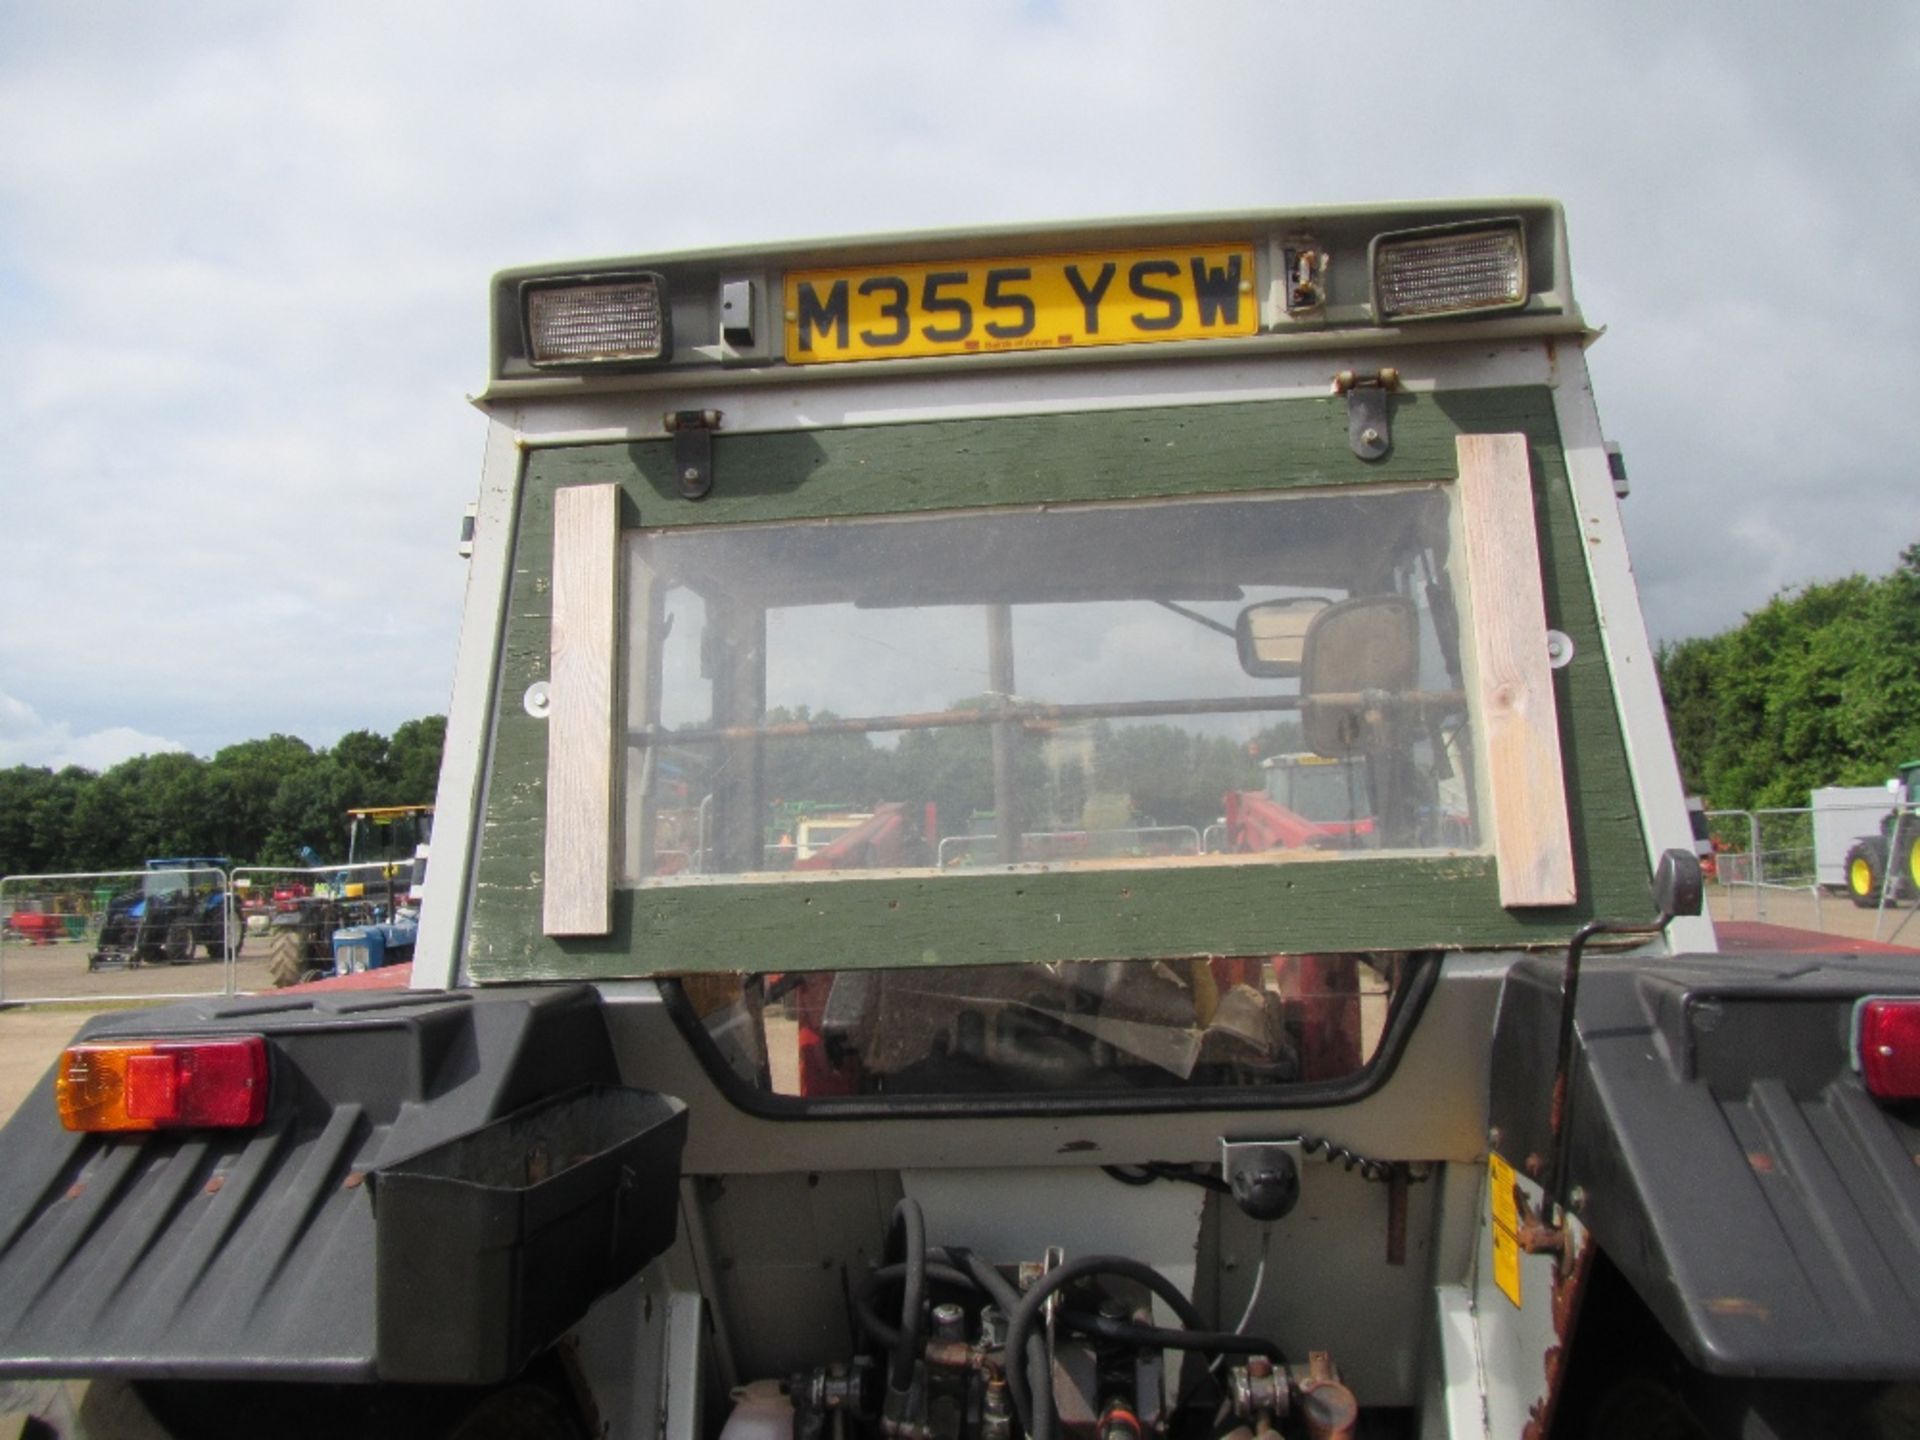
(383, 899)
(1470, 1129)
(180, 904)
(1886, 867)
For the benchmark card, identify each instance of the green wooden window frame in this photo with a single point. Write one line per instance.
(1233, 448)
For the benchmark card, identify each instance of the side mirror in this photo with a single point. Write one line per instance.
(1369, 644)
(1677, 884)
(1272, 635)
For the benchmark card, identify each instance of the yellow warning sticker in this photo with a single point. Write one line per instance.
(1506, 1221)
(1500, 1194)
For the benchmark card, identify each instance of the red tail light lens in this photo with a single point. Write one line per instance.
(163, 1084)
(1887, 1047)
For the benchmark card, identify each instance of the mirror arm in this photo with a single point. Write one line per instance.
(1199, 619)
(1677, 891)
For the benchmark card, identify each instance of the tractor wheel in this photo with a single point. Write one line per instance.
(520, 1412)
(178, 948)
(1641, 1407)
(1866, 871)
(287, 958)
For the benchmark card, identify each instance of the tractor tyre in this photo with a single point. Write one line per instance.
(287, 958)
(178, 947)
(520, 1412)
(1866, 871)
(1643, 1407)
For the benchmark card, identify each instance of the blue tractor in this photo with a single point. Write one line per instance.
(179, 906)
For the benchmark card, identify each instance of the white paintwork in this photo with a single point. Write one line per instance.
(436, 958)
(1512, 1343)
(875, 399)
(1458, 1410)
(685, 1403)
(1623, 631)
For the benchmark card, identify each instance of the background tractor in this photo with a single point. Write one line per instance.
(375, 891)
(181, 903)
(1896, 847)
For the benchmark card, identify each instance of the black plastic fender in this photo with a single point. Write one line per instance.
(1725, 1155)
(230, 1254)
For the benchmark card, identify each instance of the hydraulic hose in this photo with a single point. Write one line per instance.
(1032, 1403)
(878, 1329)
(1038, 1424)
(910, 1224)
(1210, 1342)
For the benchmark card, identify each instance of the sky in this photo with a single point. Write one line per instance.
(244, 253)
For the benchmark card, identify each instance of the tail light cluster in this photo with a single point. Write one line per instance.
(1886, 1047)
(114, 1085)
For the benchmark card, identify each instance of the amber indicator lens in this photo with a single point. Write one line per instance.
(1888, 1048)
(163, 1084)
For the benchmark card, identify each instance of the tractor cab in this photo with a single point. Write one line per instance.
(1028, 1103)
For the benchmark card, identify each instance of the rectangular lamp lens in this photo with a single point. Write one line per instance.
(1450, 274)
(593, 324)
(1887, 1047)
(163, 1084)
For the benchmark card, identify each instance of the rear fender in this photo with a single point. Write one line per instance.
(1725, 1156)
(256, 1254)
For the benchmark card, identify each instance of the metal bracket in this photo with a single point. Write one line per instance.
(692, 432)
(1369, 429)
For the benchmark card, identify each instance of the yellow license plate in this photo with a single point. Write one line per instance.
(1025, 302)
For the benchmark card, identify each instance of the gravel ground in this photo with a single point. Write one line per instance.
(31, 1038)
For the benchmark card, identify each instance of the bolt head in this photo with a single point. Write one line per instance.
(1370, 435)
(690, 474)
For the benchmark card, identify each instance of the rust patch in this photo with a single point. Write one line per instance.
(213, 1185)
(76, 1190)
(1569, 1284)
(1534, 1165)
(1397, 1183)
(1760, 1161)
(1738, 1305)
(353, 1181)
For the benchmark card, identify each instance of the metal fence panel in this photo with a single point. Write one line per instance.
(156, 933)
(1774, 865)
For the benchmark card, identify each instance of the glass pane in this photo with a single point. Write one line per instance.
(1035, 1029)
(1168, 683)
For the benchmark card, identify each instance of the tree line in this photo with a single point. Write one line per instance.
(257, 802)
(1125, 775)
(1820, 686)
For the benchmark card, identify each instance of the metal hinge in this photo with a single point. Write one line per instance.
(692, 432)
(1369, 431)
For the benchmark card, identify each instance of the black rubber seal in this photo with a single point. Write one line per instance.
(1423, 974)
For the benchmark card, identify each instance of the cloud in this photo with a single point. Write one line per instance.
(27, 739)
(244, 253)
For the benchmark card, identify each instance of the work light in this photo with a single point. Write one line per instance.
(1454, 270)
(597, 320)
